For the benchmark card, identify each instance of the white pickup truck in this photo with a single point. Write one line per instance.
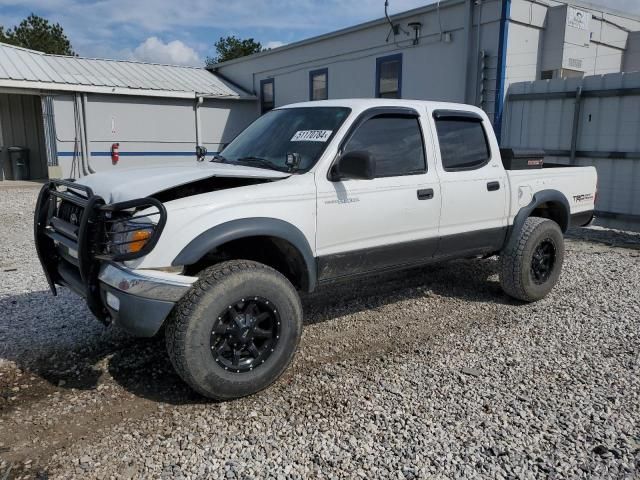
(308, 194)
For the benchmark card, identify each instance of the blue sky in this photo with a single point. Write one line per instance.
(183, 31)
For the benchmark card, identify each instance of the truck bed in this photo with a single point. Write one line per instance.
(578, 184)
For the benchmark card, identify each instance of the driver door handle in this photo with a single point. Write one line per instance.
(425, 194)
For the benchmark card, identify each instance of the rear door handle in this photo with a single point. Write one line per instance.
(493, 186)
(426, 194)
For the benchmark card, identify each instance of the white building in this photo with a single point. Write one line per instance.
(457, 50)
(70, 111)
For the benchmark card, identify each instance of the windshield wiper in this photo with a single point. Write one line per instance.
(217, 158)
(260, 163)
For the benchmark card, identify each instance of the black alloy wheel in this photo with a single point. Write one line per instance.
(543, 261)
(245, 334)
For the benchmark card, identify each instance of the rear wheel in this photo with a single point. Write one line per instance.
(236, 331)
(531, 266)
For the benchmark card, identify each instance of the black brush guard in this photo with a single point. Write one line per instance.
(90, 235)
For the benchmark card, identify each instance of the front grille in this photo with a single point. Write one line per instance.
(70, 212)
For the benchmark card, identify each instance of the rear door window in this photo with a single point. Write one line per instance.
(463, 144)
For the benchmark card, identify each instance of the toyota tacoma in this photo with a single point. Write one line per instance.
(215, 254)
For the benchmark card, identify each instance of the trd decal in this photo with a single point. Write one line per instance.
(583, 197)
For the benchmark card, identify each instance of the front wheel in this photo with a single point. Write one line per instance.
(236, 331)
(531, 265)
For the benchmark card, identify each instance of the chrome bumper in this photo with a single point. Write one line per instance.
(139, 301)
(150, 284)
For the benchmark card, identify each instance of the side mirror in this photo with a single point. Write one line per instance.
(355, 165)
(201, 152)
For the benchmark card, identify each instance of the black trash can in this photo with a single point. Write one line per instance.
(19, 158)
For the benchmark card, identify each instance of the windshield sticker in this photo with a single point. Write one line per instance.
(311, 136)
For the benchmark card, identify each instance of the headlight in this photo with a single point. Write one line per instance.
(131, 236)
(128, 230)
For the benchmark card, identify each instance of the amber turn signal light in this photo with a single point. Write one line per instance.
(139, 239)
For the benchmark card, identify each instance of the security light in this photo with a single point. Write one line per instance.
(417, 27)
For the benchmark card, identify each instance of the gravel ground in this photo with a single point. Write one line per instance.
(430, 373)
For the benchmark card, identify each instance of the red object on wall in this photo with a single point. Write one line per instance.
(115, 153)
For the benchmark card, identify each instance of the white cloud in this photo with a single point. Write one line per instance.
(274, 44)
(155, 50)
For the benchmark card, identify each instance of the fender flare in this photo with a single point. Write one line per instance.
(249, 227)
(543, 196)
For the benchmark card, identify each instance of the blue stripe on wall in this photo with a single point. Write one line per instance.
(136, 154)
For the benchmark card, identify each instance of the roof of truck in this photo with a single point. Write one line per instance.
(359, 104)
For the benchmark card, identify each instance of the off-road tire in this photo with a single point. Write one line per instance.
(189, 329)
(516, 272)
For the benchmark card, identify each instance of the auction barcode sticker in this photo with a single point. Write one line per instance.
(311, 136)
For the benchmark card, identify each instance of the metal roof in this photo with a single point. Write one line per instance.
(27, 69)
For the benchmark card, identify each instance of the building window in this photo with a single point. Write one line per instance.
(389, 76)
(463, 144)
(319, 84)
(394, 142)
(267, 95)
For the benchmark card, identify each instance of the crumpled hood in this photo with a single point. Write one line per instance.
(124, 184)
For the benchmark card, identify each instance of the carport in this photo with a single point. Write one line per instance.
(75, 116)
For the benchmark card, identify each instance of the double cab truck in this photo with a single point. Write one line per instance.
(215, 254)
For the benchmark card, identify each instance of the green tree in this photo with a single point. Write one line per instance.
(231, 47)
(37, 33)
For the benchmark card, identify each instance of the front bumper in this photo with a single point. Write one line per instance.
(140, 301)
(74, 233)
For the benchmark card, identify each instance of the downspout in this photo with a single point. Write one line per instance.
(576, 125)
(478, 50)
(199, 102)
(502, 67)
(80, 134)
(469, 31)
(86, 133)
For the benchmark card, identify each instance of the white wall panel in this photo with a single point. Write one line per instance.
(432, 70)
(149, 130)
(609, 124)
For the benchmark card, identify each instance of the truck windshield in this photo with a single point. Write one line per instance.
(298, 133)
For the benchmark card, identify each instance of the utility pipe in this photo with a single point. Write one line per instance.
(576, 125)
(80, 133)
(469, 34)
(86, 133)
(478, 50)
(199, 102)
